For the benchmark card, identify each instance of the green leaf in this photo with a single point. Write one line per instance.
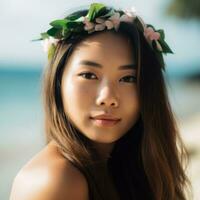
(162, 34)
(149, 25)
(60, 23)
(66, 33)
(109, 13)
(72, 25)
(78, 28)
(34, 40)
(54, 32)
(95, 10)
(80, 19)
(43, 36)
(165, 47)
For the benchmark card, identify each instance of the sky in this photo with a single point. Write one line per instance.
(24, 20)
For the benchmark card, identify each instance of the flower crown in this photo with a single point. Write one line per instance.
(98, 18)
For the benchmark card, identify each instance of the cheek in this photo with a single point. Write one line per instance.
(76, 96)
(131, 105)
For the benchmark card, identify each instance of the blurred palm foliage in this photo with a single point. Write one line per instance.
(186, 9)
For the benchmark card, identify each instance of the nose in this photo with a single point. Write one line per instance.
(107, 97)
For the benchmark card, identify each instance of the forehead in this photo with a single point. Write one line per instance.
(105, 48)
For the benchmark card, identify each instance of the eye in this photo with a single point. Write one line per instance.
(87, 75)
(130, 78)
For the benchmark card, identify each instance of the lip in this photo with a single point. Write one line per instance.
(105, 120)
(106, 117)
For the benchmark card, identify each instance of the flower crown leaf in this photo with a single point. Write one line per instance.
(162, 34)
(165, 46)
(64, 28)
(75, 26)
(109, 13)
(60, 23)
(44, 35)
(96, 9)
(54, 32)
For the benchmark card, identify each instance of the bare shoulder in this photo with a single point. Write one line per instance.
(48, 176)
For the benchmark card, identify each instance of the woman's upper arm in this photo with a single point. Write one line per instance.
(45, 186)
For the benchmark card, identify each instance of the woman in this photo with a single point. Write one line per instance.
(110, 130)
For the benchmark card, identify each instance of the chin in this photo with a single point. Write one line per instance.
(104, 139)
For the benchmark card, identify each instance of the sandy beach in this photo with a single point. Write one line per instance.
(190, 132)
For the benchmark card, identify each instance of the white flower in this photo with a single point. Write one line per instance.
(100, 20)
(115, 19)
(47, 42)
(89, 26)
(109, 24)
(131, 13)
(112, 22)
(100, 27)
(126, 18)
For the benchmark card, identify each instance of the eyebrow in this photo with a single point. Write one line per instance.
(94, 64)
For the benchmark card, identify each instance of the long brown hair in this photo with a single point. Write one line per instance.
(149, 161)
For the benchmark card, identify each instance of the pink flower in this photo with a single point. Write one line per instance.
(150, 34)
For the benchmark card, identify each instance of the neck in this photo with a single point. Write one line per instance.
(104, 149)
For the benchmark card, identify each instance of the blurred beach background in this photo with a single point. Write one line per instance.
(22, 63)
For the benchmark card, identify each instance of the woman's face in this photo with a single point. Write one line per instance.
(99, 78)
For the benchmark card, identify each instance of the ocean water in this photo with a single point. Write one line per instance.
(20, 98)
(21, 117)
(21, 120)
